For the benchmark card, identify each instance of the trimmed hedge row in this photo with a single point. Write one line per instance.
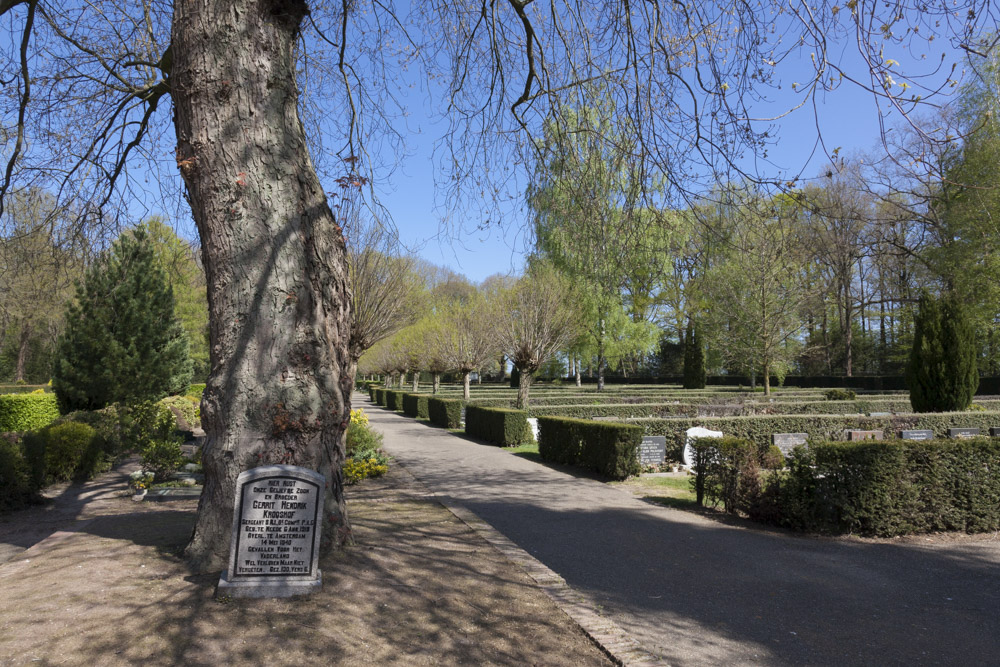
(26, 412)
(445, 412)
(415, 405)
(894, 488)
(759, 429)
(609, 449)
(499, 426)
(380, 396)
(394, 400)
(16, 488)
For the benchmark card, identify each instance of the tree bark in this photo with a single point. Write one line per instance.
(22, 352)
(274, 256)
(503, 368)
(437, 382)
(416, 381)
(465, 384)
(522, 389)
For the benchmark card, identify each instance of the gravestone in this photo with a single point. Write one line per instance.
(692, 434)
(920, 434)
(653, 450)
(880, 414)
(786, 442)
(533, 423)
(995, 432)
(276, 524)
(863, 435)
(962, 433)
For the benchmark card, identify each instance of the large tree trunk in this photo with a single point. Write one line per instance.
(503, 368)
(416, 381)
(523, 388)
(465, 385)
(275, 261)
(437, 382)
(22, 352)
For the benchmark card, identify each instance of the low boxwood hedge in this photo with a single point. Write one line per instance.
(892, 488)
(415, 405)
(380, 396)
(26, 412)
(607, 448)
(16, 487)
(500, 426)
(445, 412)
(394, 400)
(372, 388)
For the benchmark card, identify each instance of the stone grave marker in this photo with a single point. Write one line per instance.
(691, 434)
(962, 433)
(653, 450)
(864, 435)
(276, 525)
(786, 442)
(919, 434)
(533, 423)
(995, 432)
(880, 414)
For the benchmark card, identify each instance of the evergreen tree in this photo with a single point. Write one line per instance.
(942, 373)
(122, 342)
(694, 359)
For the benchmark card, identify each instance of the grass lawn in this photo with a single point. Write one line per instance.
(669, 491)
(529, 451)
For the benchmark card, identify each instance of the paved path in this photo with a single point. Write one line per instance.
(699, 592)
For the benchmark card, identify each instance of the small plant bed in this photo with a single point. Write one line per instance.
(365, 457)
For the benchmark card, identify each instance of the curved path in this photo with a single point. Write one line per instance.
(695, 591)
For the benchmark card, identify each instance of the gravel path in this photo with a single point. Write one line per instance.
(696, 591)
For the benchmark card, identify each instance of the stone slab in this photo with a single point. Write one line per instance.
(690, 435)
(854, 436)
(880, 414)
(995, 432)
(962, 433)
(276, 529)
(917, 434)
(653, 450)
(786, 442)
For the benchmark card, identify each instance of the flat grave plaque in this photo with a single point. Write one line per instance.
(276, 529)
(864, 435)
(880, 414)
(962, 433)
(786, 442)
(920, 434)
(653, 450)
(995, 432)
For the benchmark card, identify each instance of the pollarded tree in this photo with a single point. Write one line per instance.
(942, 374)
(534, 320)
(465, 336)
(123, 342)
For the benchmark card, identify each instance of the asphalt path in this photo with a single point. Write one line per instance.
(697, 591)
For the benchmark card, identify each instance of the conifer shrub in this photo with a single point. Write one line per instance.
(445, 412)
(499, 426)
(694, 359)
(941, 372)
(122, 342)
(26, 412)
(606, 448)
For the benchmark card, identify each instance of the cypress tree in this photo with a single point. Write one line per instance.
(122, 342)
(942, 373)
(694, 359)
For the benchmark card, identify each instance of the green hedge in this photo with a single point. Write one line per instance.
(62, 452)
(610, 449)
(893, 488)
(760, 428)
(372, 388)
(394, 400)
(415, 405)
(380, 396)
(16, 487)
(445, 412)
(499, 426)
(195, 390)
(26, 412)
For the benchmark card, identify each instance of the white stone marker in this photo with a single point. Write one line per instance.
(692, 434)
(276, 524)
(533, 423)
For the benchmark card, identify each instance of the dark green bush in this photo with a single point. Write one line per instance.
(728, 472)
(60, 452)
(840, 395)
(892, 488)
(162, 457)
(394, 400)
(27, 412)
(499, 426)
(445, 412)
(941, 373)
(372, 388)
(415, 405)
(16, 488)
(607, 448)
(380, 396)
